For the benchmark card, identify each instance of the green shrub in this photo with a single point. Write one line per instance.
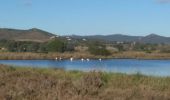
(98, 49)
(56, 46)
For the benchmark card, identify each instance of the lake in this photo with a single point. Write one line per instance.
(129, 66)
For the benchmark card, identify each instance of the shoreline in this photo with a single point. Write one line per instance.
(77, 55)
(95, 59)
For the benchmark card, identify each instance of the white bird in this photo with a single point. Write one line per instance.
(100, 59)
(56, 58)
(60, 58)
(88, 59)
(82, 59)
(71, 59)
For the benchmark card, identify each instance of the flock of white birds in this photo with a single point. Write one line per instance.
(82, 59)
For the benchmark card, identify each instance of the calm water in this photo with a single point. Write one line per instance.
(129, 66)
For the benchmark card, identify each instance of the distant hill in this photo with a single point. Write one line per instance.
(38, 35)
(116, 37)
(152, 38)
(33, 34)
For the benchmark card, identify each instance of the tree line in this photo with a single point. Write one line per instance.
(55, 45)
(94, 47)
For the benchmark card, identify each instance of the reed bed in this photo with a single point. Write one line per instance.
(79, 55)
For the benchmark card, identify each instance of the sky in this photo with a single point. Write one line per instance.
(88, 17)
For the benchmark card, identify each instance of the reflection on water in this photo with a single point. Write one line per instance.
(129, 66)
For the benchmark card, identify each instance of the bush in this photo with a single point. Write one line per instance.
(165, 50)
(98, 49)
(120, 47)
(148, 48)
(22, 46)
(56, 46)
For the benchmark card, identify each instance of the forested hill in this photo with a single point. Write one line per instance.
(33, 34)
(151, 38)
(38, 35)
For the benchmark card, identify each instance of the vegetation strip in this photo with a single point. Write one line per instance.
(18, 83)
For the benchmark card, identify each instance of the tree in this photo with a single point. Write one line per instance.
(12, 46)
(97, 48)
(120, 47)
(56, 46)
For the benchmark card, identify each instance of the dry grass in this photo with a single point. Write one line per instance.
(57, 84)
(142, 55)
(77, 55)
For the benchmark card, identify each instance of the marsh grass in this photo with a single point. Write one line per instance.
(25, 83)
(79, 55)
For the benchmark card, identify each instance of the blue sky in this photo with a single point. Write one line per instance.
(88, 17)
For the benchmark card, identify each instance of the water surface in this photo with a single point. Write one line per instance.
(129, 66)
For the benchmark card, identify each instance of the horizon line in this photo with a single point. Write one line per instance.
(55, 33)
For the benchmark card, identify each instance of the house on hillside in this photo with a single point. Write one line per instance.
(53, 37)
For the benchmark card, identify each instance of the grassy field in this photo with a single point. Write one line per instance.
(57, 84)
(79, 55)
